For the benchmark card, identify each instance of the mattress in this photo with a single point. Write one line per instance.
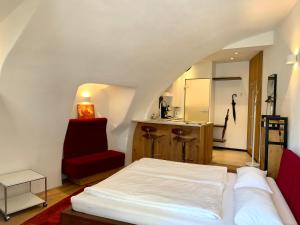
(134, 213)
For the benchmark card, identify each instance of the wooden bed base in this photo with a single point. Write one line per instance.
(71, 217)
(96, 177)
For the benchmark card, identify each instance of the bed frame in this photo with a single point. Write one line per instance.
(71, 217)
(288, 181)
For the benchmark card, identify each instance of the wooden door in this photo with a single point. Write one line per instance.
(255, 89)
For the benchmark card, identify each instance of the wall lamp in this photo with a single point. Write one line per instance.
(292, 59)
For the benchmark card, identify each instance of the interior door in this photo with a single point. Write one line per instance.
(255, 93)
(197, 98)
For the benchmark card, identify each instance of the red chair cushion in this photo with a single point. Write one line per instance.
(288, 181)
(85, 136)
(83, 166)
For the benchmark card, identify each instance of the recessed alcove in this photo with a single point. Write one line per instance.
(112, 102)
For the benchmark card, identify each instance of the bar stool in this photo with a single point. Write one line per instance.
(150, 135)
(181, 137)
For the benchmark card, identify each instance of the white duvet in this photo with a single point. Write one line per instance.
(196, 190)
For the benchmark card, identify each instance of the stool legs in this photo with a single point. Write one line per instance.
(183, 151)
(152, 147)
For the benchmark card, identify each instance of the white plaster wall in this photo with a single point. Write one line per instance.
(138, 43)
(236, 133)
(287, 40)
(202, 69)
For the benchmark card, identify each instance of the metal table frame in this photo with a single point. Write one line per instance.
(5, 213)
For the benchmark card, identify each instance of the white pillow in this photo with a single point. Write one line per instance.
(252, 179)
(255, 207)
(247, 169)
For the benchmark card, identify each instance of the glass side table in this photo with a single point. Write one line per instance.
(13, 204)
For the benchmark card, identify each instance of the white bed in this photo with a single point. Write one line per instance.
(131, 212)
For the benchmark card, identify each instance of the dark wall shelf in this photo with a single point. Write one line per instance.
(226, 78)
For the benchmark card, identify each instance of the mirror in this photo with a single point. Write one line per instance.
(271, 95)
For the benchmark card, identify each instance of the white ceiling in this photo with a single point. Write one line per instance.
(235, 55)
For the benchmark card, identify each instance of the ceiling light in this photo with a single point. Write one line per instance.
(231, 58)
(236, 53)
(291, 59)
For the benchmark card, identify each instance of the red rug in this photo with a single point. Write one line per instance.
(51, 216)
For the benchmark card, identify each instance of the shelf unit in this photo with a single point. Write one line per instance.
(13, 204)
(273, 124)
(226, 78)
(219, 125)
(20, 202)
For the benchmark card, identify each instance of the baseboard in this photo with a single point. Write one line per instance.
(226, 148)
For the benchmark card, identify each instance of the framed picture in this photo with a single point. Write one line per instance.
(85, 111)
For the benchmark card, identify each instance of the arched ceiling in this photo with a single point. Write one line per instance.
(136, 43)
(7, 6)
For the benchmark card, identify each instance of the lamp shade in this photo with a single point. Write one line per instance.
(291, 59)
(84, 99)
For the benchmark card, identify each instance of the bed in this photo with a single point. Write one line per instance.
(99, 205)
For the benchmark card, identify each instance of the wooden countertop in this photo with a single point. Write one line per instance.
(172, 122)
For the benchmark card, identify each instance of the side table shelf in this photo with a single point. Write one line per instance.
(13, 204)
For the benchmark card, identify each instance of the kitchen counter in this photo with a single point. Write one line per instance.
(173, 122)
(167, 147)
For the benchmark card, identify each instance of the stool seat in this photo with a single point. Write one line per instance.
(181, 136)
(180, 131)
(151, 135)
(149, 129)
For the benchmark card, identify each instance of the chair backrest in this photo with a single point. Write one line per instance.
(85, 136)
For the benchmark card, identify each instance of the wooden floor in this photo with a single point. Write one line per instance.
(231, 159)
(54, 196)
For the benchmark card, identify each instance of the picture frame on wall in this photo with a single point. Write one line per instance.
(85, 111)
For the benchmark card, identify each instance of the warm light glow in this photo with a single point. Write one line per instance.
(85, 100)
(291, 59)
(85, 94)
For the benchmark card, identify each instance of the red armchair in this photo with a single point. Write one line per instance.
(85, 149)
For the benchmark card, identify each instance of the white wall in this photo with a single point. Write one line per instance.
(287, 40)
(236, 133)
(139, 43)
